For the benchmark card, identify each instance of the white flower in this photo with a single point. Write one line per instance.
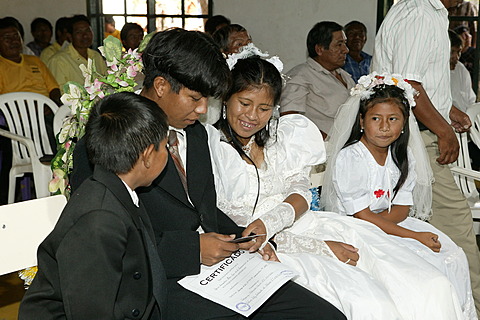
(365, 85)
(88, 72)
(73, 97)
(275, 60)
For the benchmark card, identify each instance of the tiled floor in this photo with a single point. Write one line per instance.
(11, 293)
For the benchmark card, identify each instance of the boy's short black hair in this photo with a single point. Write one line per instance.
(39, 21)
(75, 19)
(61, 25)
(120, 127)
(9, 22)
(321, 34)
(186, 59)
(213, 22)
(127, 27)
(455, 39)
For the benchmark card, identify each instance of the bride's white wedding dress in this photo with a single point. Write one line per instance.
(390, 280)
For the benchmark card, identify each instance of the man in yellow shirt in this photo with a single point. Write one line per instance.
(65, 64)
(20, 72)
(62, 37)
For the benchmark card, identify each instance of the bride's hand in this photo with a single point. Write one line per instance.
(268, 253)
(346, 253)
(256, 227)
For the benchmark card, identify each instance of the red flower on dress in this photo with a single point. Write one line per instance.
(379, 193)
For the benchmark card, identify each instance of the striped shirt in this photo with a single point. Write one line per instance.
(413, 41)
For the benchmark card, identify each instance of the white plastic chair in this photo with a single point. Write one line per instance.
(462, 169)
(23, 226)
(24, 114)
(62, 113)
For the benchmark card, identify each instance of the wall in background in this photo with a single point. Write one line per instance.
(281, 26)
(277, 26)
(27, 10)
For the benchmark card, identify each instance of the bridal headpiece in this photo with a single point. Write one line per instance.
(364, 88)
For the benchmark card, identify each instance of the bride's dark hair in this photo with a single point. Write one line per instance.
(387, 93)
(251, 73)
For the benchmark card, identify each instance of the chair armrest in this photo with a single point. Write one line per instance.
(23, 140)
(475, 175)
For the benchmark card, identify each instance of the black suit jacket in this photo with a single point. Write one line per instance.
(95, 263)
(175, 222)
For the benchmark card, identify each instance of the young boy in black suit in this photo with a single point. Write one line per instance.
(100, 261)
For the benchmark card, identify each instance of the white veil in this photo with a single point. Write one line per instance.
(341, 130)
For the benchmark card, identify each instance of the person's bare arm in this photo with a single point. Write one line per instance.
(289, 112)
(426, 113)
(427, 238)
(397, 213)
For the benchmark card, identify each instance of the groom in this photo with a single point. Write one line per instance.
(182, 69)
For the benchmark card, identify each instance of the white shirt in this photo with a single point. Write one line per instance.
(182, 145)
(461, 85)
(413, 41)
(132, 193)
(315, 92)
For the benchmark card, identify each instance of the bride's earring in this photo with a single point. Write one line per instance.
(224, 112)
(402, 131)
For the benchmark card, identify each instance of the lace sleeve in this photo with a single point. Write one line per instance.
(291, 243)
(299, 183)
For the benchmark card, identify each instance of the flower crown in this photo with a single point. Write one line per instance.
(366, 83)
(251, 50)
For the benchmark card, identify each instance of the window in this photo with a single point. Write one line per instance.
(152, 15)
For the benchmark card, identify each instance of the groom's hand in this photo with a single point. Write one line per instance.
(214, 247)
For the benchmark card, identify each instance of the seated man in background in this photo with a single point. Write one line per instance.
(131, 35)
(62, 39)
(358, 61)
(64, 65)
(41, 30)
(110, 29)
(231, 38)
(460, 81)
(463, 95)
(318, 87)
(19, 72)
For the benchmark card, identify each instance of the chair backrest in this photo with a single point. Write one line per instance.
(62, 113)
(24, 114)
(466, 184)
(23, 226)
(474, 114)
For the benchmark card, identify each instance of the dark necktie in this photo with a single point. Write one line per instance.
(173, 148)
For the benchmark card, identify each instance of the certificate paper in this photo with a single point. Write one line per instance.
(241, 282)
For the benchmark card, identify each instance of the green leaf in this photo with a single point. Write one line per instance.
(145, 41)
(113, 48)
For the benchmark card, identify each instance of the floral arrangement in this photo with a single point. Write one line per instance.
(122, 69)
(121, 72)
(366, 83)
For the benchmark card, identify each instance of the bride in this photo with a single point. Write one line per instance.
(261, 167)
